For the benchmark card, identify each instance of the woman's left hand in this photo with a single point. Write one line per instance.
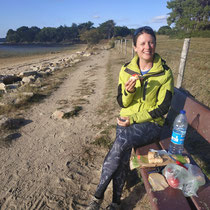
(123, 121)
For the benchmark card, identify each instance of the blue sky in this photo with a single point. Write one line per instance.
(53, 13)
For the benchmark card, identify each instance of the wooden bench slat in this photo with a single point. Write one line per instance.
(178, 100)
(198, 116)
(203, 199)
(144, 150)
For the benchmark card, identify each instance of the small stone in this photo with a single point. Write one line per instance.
(57, 115)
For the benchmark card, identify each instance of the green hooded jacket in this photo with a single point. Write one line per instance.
(153, 92)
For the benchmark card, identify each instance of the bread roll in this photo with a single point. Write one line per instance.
(158, 160)
(154, 157)
(157, 181)
(151, 155)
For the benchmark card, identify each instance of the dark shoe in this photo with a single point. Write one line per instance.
(94, 204)
(113, 206)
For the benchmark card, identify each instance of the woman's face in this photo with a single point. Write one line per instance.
(145, 47)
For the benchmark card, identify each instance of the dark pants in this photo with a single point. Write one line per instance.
(116, 163)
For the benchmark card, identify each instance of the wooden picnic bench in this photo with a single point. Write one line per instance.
(198, 117)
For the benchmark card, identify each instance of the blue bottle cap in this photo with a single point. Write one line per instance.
(182, 112)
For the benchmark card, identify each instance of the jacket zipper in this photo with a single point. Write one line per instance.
(144, 90)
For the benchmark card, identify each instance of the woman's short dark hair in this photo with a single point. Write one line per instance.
(141, 30)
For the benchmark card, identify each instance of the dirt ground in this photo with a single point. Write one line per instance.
(56, 164)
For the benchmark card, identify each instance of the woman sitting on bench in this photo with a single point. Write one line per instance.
(144, 92)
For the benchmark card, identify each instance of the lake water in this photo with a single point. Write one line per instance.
(11, 50)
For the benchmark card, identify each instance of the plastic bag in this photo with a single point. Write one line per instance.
(188, 181)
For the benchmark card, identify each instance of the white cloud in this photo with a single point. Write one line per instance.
(159, 19)
(96, 16)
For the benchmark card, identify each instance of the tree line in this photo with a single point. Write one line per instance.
(76, 33)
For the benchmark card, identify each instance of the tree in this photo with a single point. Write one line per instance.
(24, 34)
(74, 31)
(189, 15)
(85, 26)
(47, 34)
(33, 32)
(121, 31)
(60, 33)
(12, 36)
(107, 29)
(92, 36)
(165, 30)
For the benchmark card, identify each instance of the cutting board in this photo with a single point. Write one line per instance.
(142, 161)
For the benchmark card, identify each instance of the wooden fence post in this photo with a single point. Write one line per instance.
(125, 47)
(132, 50)
(183, 62)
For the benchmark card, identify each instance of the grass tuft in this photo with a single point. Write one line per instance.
(72, 113)
(103, 141)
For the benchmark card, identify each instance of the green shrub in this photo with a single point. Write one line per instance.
(91, 37)
(111, 43)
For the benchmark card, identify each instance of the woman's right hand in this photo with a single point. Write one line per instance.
(130, 85)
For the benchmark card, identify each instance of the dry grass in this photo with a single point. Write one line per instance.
(196, 76)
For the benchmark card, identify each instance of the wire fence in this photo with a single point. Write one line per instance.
(196, 76)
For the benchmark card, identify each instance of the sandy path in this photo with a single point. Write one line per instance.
(53, 164)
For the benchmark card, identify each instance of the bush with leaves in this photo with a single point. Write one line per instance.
(91, 37)
(165, 30)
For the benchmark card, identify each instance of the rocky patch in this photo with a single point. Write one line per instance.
(13, 84)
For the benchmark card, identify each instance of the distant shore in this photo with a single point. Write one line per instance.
(16, 62)
(20, 50)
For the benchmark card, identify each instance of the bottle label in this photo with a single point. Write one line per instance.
(178, 138)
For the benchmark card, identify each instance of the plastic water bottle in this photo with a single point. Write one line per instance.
(178, 135)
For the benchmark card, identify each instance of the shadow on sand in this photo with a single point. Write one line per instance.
(9, 131)
(136, 190)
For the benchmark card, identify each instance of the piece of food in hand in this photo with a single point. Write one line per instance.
(154, 157)
(134, 77)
